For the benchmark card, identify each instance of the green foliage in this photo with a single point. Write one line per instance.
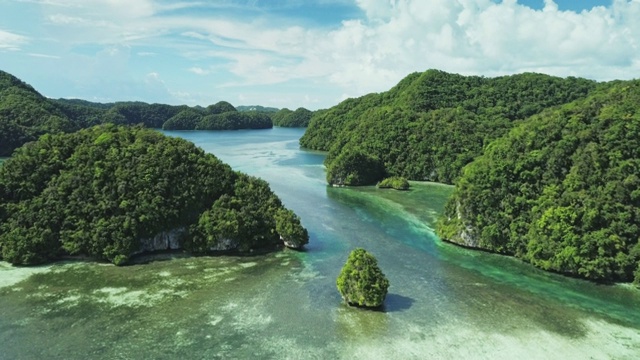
(394, 182)
(246, 217)
(234, 120)
(25, 115)
(12, 136)
(560, 190)
(361, 282)
(354, 168)
(288, 118)
(186, 119)
(279, 116)
(430, 125)
(258, 108)
(151, 115)
(290, 229)
(100, 191)
(220, 107)
(221, 116)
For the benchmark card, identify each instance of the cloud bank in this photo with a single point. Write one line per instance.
(367, 53)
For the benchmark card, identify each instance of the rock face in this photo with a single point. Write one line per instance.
(290, 244)
(171, 240)
(225, 245)
(466, 236)
(166, 240)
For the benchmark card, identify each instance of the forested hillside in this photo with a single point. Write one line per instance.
(258, 108)
(102, 191)
(288, 118)
(431, 124)
(561, 190)
(220, 116)
(25, 115)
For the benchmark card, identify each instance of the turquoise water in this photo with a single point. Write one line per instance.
(444, 301)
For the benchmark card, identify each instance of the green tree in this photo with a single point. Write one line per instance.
(102, 191)
(290, 230)
(288, 118)
(354, 168)
(560, 190)
(186, 119)
(394, 182)
(220, 107)
(430, 125)
(361, 282)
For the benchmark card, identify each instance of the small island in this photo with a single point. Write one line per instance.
(288, 118)
(361, 282)
(354, 168)
(219, 116)
(394, 182)
(111, 192)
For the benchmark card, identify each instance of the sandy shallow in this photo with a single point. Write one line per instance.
(602, 341)
(11, 275)
(445, 302)
(264, 308)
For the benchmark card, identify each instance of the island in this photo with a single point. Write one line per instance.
(431, 124)
(394, 182)
(219, 116)
(111, 192)
(288, 118)
(361, 282)
(545, 168)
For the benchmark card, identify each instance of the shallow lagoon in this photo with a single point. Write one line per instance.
(444, 301)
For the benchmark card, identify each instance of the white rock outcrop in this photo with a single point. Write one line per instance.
(166, 240)
(224, 245)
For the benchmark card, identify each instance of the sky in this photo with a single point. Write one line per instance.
(303, 53)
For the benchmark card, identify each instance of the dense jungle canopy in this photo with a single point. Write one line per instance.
(102, 191)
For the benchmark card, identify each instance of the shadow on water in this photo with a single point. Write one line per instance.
(397, 303)
(355, 323)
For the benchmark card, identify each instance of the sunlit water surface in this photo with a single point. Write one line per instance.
(444, 301)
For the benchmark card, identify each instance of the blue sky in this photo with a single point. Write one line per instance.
(292, 53)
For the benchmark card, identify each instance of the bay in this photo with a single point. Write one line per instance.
(444, 301)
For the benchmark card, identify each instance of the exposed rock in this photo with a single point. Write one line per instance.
(166, 240)
(290, 244)
(225, 245)
(468, 238)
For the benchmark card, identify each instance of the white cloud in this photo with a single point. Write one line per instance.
(120, 8)
(45, 56)
(10, 41)
(377, 9)
(402, 36)
(480, 37)
(198, 70)
(395, 38)
(46, 2)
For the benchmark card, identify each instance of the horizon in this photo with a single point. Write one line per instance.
(292, 53)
